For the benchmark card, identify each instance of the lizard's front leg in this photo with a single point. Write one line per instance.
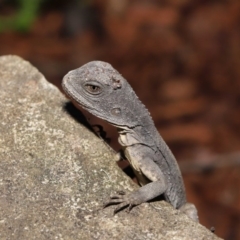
(155, 188)
(142, 195)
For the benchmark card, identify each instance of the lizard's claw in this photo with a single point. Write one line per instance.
(123, 205)
(123, 201)
(114, 200)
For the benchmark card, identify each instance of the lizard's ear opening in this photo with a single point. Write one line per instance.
(116, 112)
(92, 88)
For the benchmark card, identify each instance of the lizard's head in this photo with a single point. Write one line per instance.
(101, 90)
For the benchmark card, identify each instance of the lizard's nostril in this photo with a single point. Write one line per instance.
(66, 78)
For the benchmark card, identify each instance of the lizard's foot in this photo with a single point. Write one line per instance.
(143, 194)
(123, 200)
(190, 210)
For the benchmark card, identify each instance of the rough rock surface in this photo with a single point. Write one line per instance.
(55, 173)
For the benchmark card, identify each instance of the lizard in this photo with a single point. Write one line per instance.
(101, 90)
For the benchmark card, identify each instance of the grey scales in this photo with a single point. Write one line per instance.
(101, 90)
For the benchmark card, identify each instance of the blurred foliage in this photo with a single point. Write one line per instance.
(26, 11)
(24, 17)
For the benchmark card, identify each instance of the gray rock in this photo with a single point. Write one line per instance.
(55, 174)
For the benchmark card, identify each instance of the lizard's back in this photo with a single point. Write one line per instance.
(154, 147)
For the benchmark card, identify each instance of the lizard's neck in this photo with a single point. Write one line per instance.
(144, 134)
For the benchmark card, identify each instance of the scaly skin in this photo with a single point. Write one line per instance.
(101, 90)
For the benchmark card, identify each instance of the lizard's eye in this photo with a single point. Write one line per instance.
(93, 89)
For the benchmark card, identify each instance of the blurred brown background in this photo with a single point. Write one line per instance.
(182, 58)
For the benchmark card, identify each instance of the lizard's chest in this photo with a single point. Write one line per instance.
(133, 158)
(133, 153)
(127, 141)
